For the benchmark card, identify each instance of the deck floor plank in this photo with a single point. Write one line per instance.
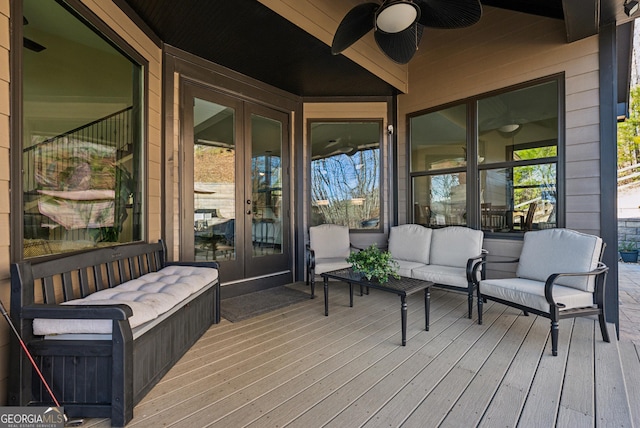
(471, 406)
(577, 406)
(329, 396)
(407, 400)
(541, 407)
(292, 397)
(630, 357)
(612, 405)
(295, 367)
(211, 385)
(507, 403)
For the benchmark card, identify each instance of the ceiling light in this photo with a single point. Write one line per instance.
(511, 127)
(631, 7)
(396, 16)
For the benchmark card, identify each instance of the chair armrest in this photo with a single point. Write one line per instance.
(473, 264)
(478, 265)
(311, 257)
(600, 272)
(112, 312)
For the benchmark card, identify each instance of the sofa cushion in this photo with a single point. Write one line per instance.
(410, 242)
(455, 245)
(329, 241)
(530, 293)
(550, 251)
(405, 267)
(148, 296)
(448, 275)
(332, 263)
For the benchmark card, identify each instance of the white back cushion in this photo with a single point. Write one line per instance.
(329, 241)
(410, 242)
(454, 245)
(550, 251)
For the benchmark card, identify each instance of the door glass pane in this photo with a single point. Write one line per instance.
(266, 185)
(214, 157)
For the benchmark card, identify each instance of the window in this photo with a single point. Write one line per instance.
(82, 138)
(345, 173)
(514, 156)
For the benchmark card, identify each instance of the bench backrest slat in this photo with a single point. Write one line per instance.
(67, 286)
(129, 260)
(48, 290)
(84, 283)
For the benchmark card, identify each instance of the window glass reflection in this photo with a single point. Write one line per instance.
(440, 200)
(439, 139)
(345, 174)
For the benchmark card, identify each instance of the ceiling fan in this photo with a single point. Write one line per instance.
(398, 24)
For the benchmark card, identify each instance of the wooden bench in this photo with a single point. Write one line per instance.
(102, 375)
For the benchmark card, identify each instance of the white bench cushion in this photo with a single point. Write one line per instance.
(455, 245)
(410, 242)
(149, 296)
(530, 293)
(550, 251)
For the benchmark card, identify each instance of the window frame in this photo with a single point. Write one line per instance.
(473, 168)
(109, 35)
(381, 148)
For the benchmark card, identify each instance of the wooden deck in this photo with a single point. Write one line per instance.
(295, 367)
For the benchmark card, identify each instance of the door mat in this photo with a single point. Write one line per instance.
(250, 305)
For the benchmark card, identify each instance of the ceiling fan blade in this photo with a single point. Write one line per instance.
(449, 13)
(400, 47)
(31, 45)
(355, 24)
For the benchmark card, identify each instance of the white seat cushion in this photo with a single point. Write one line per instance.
(550, 251)
(329, 241)
(410, 242)
(530, 293)
(455, 245)
(332, 263)
(405, 267)
(448, 275)
(149, 296)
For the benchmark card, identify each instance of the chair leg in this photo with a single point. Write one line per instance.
(480, 299)
(470, 304)
(554, 337)
(603, 327)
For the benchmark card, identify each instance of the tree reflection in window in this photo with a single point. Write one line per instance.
(345, 174)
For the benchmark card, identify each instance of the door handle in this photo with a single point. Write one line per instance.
(249, 203)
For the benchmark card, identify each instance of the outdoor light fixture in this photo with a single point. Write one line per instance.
(396, 16)
(631, 7)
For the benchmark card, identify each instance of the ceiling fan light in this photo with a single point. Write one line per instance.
(397, 16)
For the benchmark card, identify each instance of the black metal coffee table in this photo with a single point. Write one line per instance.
(403, 287)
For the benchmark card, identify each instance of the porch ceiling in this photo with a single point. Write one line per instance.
(250, 38)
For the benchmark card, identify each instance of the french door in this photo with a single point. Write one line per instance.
(235, 194)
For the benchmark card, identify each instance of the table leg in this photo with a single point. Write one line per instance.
(326, 296)
(427, 307)
(350, 295)
(404, 319)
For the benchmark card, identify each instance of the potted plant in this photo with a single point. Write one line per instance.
(371, 262)
(628, 251)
